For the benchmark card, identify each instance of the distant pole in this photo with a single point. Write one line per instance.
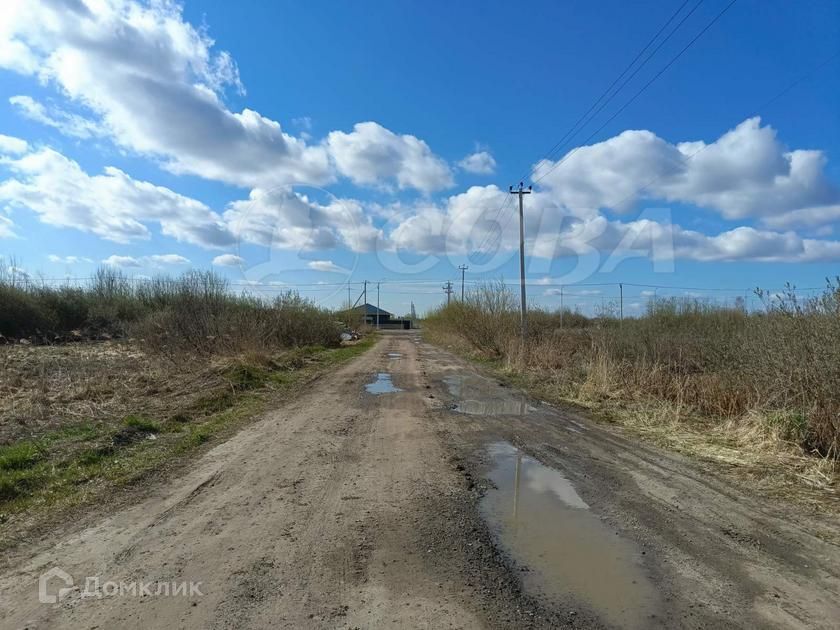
(349, 297)
(523, 304)
(561, 306)
(463, 269)
(447, 288)
(377, 305)
(620, 303)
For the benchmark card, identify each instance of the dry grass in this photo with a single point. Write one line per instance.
(48, 387)
(194, 314)
(79, 420)
(740, 389)
(191, 359)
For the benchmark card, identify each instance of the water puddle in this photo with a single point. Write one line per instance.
(382, 385)
(481, 397)
(542, 521)
(394, 355)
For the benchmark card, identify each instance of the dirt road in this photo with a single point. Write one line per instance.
(447, 500)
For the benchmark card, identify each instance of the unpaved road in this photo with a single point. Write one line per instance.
(454, 503)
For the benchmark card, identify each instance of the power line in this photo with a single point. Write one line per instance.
(764, 105)
(796, 82)
(477, 281)
(571, 132)
(486, 240)
(637, 94)
(488, 234)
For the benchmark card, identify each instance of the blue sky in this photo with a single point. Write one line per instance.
(300, 143)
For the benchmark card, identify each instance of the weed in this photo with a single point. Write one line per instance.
(20, 456)
(195, 314)
(244, 377)
(773, 375)
(75, 463)
(143, 425)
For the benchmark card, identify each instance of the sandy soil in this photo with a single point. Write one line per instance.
(345, 509)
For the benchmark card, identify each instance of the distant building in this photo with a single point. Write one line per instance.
(375, 316)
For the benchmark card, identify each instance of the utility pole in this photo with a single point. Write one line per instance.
(377, 306)
(524, 318)
(349, 297)
(561, 306)
(463, 268)
(447, 288)
(620, 303)
(364, 303)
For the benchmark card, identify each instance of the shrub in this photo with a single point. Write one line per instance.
(781, 365)
(195, 314)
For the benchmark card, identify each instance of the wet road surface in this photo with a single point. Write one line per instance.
(409, 490)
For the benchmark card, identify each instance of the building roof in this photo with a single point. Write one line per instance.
(370, 309)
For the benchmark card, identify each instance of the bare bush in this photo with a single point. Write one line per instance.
(781, 365)
(195, 314)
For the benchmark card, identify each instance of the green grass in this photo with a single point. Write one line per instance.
(20, 456)
(141, 424)
(244, 377)
(77, 464)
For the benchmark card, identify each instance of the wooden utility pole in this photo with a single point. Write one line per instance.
(561, 306)
(447, 288)
(377, 305)
(523, 304)
(620, 303)
(463, 268)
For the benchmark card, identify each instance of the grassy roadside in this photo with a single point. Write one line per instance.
(776, 468)
(71, 465)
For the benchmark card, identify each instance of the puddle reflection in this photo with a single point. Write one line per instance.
(481, 397)
(382, 385)
(542, 521)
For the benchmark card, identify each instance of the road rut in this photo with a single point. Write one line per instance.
(346, 509)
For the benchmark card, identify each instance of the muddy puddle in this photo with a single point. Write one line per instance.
(478, 396)
(571, 554)
(382, 385)
(394, 355)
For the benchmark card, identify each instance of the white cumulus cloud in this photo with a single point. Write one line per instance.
(746, 173)
(479, 163)
(325, 265)
(154, 260)
(68, 123)
(69, 260)
(111, 205)
(121, 261)
(286, 219)
(9, 145)
(228, 260)
(7, 228)
(471, 222)
(372, 154)
(156, 85)
(167, 259)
